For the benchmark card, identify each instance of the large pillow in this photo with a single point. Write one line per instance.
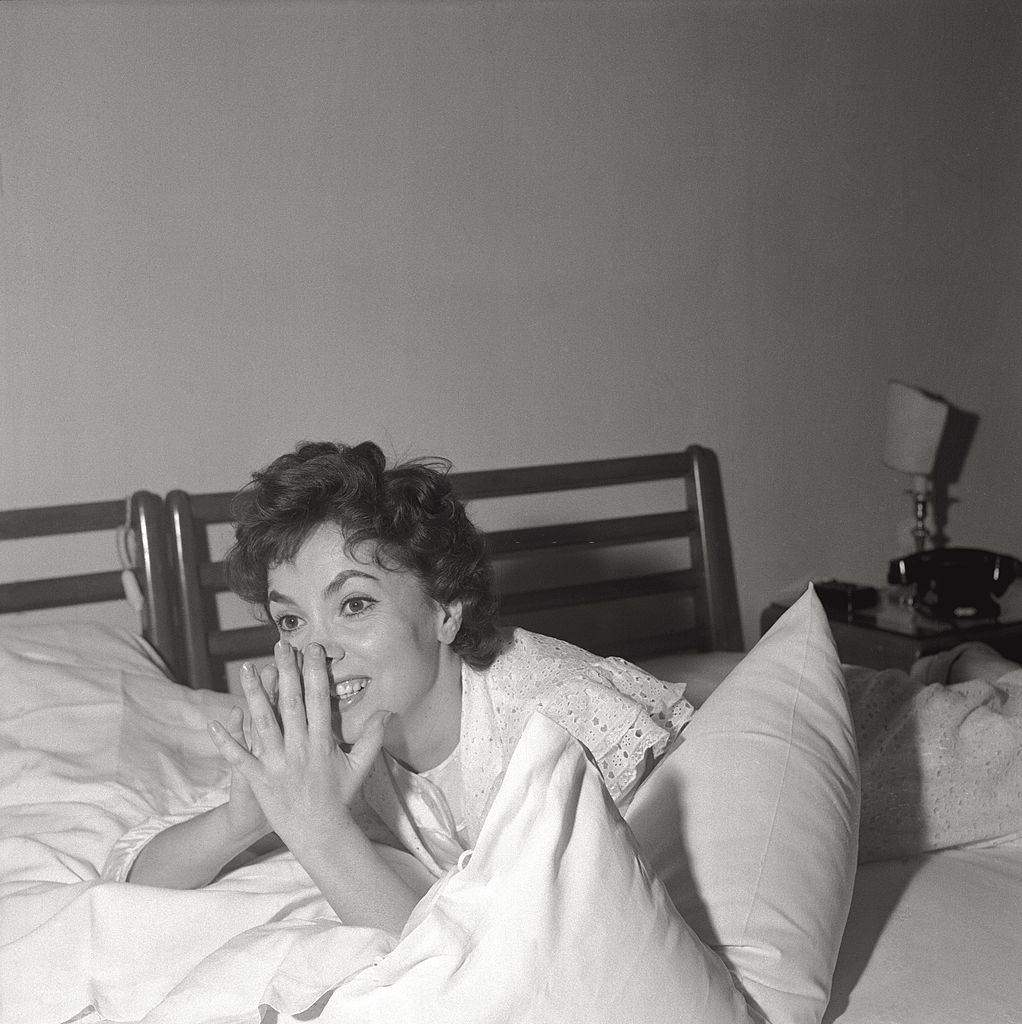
(554, 918)
(752, 821)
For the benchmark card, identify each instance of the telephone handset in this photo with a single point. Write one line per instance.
(956, 583)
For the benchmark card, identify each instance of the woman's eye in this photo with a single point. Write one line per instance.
(288, 623)
(356, 605)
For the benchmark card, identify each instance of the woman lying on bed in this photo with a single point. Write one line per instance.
(381, 590)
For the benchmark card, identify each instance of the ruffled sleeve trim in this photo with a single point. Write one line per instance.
(626, 721)
(625, 717)
(125, 850)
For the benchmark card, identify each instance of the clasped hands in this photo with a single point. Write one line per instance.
(293, 778)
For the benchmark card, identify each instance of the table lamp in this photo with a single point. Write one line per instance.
(915, 425)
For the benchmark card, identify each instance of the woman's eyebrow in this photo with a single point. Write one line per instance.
(276, 597)
(342, 577)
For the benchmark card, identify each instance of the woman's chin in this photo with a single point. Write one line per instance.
(346, 730)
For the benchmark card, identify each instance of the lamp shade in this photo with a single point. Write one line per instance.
(915, 423)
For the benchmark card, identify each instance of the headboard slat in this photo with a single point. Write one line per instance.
(243, 642)
(58, 591)
(595, 532)
(213, 576)
(569, 476)
(214, 507)
(50, 520)
(637, 648)
(523, 601)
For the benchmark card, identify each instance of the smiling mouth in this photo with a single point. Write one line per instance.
(350, 692)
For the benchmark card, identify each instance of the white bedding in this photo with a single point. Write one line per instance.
(93, 741)
(93, 738)
(935, 939)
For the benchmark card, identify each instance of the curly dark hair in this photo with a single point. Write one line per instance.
(408, 512)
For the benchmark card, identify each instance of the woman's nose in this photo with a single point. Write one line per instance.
(332, 648)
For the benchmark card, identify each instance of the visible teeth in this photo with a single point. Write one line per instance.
(350, 689)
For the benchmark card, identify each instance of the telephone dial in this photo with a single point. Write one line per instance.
(956, 583)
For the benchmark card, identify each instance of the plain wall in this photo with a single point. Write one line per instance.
(514, 233)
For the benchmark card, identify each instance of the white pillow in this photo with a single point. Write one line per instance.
(553, 919)
(82, 644)
(752, 821)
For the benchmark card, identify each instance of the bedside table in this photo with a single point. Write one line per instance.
(893, 635)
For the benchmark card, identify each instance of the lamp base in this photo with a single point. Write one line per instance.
(921, 533)
(905, 535)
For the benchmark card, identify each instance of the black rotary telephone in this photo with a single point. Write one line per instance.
(956, 583)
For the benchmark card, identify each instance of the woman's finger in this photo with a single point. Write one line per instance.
(252, 741)
(290, 702)
(236, 726)
(363, 753)
(264, 718)
(317, 695)
(231, 750)
(268, 677)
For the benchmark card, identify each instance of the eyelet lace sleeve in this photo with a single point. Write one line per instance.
(621, 714)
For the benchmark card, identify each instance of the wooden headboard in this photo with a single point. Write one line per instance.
(144, 514)
(554, 576)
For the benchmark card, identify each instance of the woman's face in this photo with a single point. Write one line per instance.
(387, 644)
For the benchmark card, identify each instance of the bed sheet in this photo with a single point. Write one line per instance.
(94, 738)
(934, 940)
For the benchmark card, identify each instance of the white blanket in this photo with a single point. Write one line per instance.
(93, 741)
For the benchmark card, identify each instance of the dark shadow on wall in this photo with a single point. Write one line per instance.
(959, 431)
